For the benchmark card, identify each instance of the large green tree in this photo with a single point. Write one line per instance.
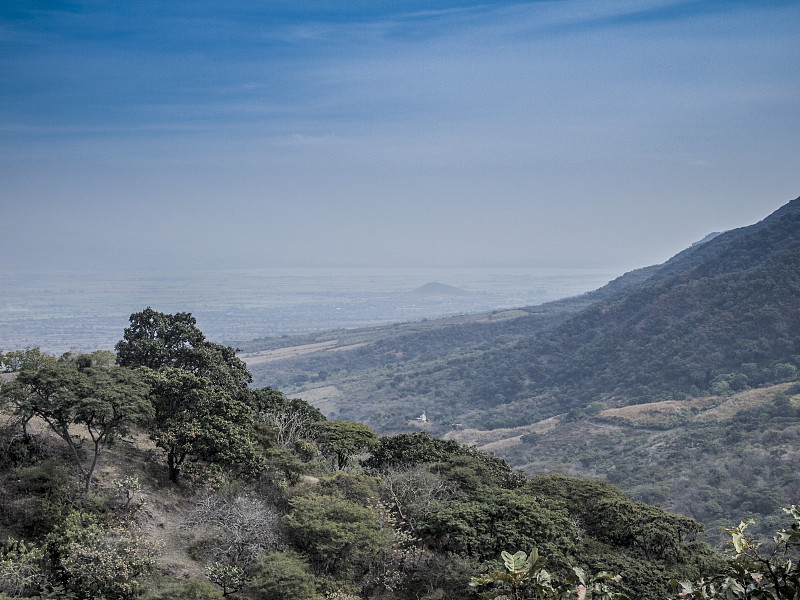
(104, 401)
(157, 340)
(196, 420)
(340, 441)
(199, 390)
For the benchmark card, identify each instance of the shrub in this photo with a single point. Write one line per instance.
(280, 575)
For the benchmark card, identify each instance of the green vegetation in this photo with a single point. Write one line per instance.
(275, 501)
(525, 578)
(753, 570)
(105, 401)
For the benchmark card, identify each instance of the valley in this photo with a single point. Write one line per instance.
(675, 382)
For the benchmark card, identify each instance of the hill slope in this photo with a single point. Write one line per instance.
(720, 315)
(719, 318)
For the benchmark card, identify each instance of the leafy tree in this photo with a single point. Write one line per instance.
(340, 441)
(109, 401)
(15, 396)
(105, 401)
(481, 524)
(30, 359)
(157, 340)
(465, 463)
(229, 577)
(195, 420)
(98, 358)
(340, 537)
(21, 568)
(94, 561)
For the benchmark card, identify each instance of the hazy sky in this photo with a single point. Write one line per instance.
(374, 132)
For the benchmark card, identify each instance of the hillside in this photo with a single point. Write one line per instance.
(719, 318)
(266, 499)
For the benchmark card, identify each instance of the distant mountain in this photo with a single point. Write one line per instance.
(438, 290)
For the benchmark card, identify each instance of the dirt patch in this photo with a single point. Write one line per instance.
(492, 440)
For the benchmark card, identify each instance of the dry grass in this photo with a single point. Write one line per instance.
(742, 401)
(257, 358)
(500, 440)
(704, 410)
(659, 413)
(157, 509)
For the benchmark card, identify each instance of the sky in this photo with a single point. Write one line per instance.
(552, 133)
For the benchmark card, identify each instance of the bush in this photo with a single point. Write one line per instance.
(282, 575)
(99, 562)
(234, 528)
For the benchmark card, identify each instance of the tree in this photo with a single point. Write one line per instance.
(195, 420)
(415, 493)
(340, 537)
(157, 340)
(475, 467)
(291, 419)
(229, 577)
(340, 441)
(30, 359)
(109, 401)
(21, 572)
(105, 401)
(236, 528)
(94, 561)
(482, 523)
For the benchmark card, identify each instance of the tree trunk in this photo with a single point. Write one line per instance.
(173, 468)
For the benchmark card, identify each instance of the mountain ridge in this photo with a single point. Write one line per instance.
(717, 319)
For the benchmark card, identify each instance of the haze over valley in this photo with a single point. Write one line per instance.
(85, 311)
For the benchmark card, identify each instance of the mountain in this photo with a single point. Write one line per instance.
(699, 332)
(437, 290)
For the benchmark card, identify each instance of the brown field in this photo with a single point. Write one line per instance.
(256, 358)
(495, 440)
(709, 408)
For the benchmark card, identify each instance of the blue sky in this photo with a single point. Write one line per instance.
(551, 133)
